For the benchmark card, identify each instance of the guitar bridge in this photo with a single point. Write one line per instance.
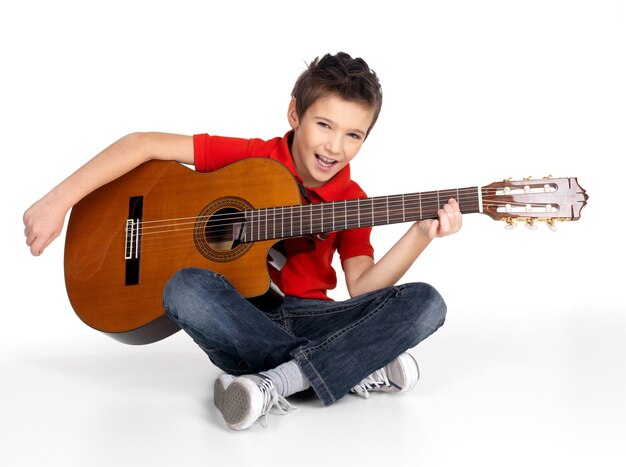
(133, 240)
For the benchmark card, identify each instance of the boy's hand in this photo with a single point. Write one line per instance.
(43, 222)
(448, 222)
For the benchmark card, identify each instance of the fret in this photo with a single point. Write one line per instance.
(328, 225)
(251, 225)
(387, 200)
(366, 213)
(313, 214)
(375, 211)
(271, 223)
(421, 216)
(287, 222)
(281, 222)
(258, 226)
(354, 214)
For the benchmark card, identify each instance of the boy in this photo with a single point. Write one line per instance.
(358, 345)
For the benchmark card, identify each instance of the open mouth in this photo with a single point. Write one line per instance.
(325, 162)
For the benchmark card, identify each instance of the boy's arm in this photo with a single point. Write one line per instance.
(363, 275)
(44, 220)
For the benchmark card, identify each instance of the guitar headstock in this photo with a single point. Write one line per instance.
(548, 199)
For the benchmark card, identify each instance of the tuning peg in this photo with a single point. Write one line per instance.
(531, 224)
(547, 177)
(510, 223)
(551, 223)
(530, 177)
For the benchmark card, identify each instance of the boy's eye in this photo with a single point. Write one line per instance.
(323, 124)
(354, 135)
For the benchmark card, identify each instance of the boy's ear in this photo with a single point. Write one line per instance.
(292, 115)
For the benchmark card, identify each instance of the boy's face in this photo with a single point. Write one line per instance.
(327, 137)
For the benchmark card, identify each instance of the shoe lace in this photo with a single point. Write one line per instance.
(272, 401)
(375, 381)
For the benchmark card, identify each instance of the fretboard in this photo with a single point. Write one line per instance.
(310, 219)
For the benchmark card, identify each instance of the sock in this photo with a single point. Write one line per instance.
(287, 378)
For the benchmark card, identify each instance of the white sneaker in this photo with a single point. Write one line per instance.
(400, 375)
(245, 399)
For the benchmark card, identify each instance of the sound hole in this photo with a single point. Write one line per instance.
(221, 227)
(217, 229)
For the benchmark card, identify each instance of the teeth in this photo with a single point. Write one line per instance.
(325, 161)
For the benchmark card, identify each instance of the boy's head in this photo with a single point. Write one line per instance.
(341, 75)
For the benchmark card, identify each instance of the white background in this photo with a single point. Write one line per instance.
(530, 366)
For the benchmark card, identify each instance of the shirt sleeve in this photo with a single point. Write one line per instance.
(355, 242)
(214, 152)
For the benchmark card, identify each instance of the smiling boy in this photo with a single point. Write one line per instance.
(358, 345)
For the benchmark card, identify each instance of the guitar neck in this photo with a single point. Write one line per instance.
(311, 219)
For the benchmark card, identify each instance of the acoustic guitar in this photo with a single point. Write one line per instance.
(126, 239)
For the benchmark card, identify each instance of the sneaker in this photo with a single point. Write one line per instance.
(400, 375)
(245, 399)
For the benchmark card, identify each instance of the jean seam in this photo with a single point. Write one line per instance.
(303, 354)
(281, 320)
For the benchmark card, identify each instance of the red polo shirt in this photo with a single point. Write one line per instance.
(308, 272)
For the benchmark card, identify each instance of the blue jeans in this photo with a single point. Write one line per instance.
(336, 344)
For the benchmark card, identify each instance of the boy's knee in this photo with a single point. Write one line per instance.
(429, 305)
(186, 288)
(438, 307)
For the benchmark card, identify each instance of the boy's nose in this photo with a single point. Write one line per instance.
(333, 145)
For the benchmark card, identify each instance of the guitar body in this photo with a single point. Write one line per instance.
(125, 240)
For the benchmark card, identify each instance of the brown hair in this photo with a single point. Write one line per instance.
(349, 78)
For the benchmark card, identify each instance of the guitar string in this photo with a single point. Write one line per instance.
(271, 211)
(352, 219)
(394, 207)
(182, 239)
(215, 237)
(425, 195)
(264, 215)
(217, 234)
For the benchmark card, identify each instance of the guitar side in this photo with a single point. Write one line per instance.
(115, 280)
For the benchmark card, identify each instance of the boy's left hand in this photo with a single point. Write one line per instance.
(448, 222)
